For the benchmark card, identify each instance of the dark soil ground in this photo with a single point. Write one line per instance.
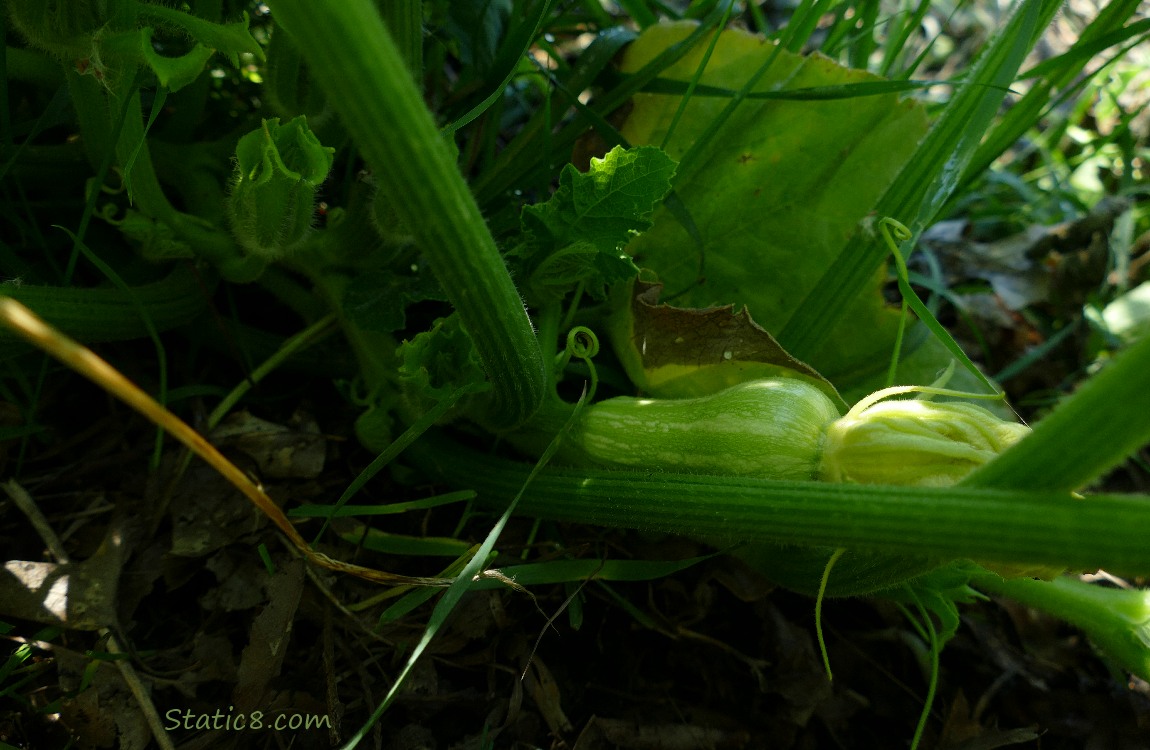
(712, 657)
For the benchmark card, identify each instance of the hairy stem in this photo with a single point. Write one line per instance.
(363, 73)
(1006, 526)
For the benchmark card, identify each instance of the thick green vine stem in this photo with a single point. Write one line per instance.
(1117, 620)
(351, 54)
(404, 20)
(1043, 527)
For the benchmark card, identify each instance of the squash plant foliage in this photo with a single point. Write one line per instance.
(714, 167)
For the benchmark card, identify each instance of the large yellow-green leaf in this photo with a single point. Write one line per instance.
(777, 192)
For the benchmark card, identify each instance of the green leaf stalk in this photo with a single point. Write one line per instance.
(368, 83)
(1116, 620)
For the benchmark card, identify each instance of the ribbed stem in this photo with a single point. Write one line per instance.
(363, 74)
(1005, 526)
(404, 20)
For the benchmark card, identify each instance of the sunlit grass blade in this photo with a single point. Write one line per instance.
(928, 181)
(1055, 74)
(355, 511)
(1094, 41)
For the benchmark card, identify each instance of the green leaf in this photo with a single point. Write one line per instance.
(158, 241)
(777, 192)
(565, 267)
(578, 235)
(816, 327)
(940, 591)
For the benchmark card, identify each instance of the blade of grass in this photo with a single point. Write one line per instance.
(397, 446)
(860, 52)
(897, 39)
(809, 93)
(523, 160)
(1057, 73)
(1094, 41)
(694, 82)
(803, 22)
(911, 299)
(520, 158)
(926, 183)
(412, 596)
(1033, 356)
(461, 585)
(402, 544)
(563, 571)
(314, 333)
(354, 511)
(149, 326)
(520, 41)
(637, 11)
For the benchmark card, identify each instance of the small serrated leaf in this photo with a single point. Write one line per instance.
(577, 236)
(614, 198)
